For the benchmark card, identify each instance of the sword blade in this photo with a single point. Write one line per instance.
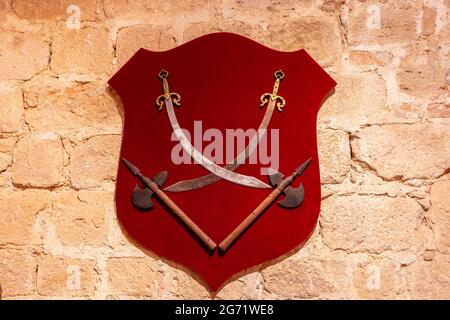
(200, 182)
(209, 165)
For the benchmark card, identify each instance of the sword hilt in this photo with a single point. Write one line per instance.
(161, 100)
(163, 74)
(274, 97)
(279, 75)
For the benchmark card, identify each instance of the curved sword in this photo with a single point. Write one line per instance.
(203, 181)
(166, 99)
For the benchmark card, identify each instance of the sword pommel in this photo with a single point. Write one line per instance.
(279, 74)
(163, 74)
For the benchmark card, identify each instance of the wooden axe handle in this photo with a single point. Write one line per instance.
(228, 241)
(191, 224)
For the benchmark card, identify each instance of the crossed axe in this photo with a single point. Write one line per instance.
(141, 198)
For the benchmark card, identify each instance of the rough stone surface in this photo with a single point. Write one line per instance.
(11, 107)
(428, 21)
(17, 272)
(144, 9)
(62, 106)
(260, 14)
(378, 279)
(438, 110)
(7, 144)
(383, 146)
(51, 10)
(177, 284)
(38, 161)
(142, 283)
(365, 223)
(305, 279)
(310, 34)
(440, 214)
(65, 277)
(16, 62)
(421, 73)
(80, 217)
(6, 150)
(18, 216)
(334, 155)
(429, 279)
(131, 39)
(84, 51)
(358, 100)
(94, 160)
(382, 22)
(5, 161)
(332, 5)
(373, 58)
(5, 8)
(404, 151)
(198, 29)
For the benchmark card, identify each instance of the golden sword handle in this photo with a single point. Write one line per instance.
(161, 100)
(279, 75)
(268, 97)
(163, 75)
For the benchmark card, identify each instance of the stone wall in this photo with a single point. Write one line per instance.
(384, 144)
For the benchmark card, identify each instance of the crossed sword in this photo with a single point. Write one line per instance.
(141, 198)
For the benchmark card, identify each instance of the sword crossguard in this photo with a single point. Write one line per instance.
(279, 100)
(161, 100)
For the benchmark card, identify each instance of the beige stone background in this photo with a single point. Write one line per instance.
(384, 143)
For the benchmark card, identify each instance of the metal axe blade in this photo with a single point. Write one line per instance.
(142, 197)
(160, 178)
(293, 196)
(275, 178)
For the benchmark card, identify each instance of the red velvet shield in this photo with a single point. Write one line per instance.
(220, 78)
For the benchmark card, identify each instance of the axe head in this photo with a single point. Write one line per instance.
(275, 177)
(141, 198)
(160, 178)
(293, 196)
